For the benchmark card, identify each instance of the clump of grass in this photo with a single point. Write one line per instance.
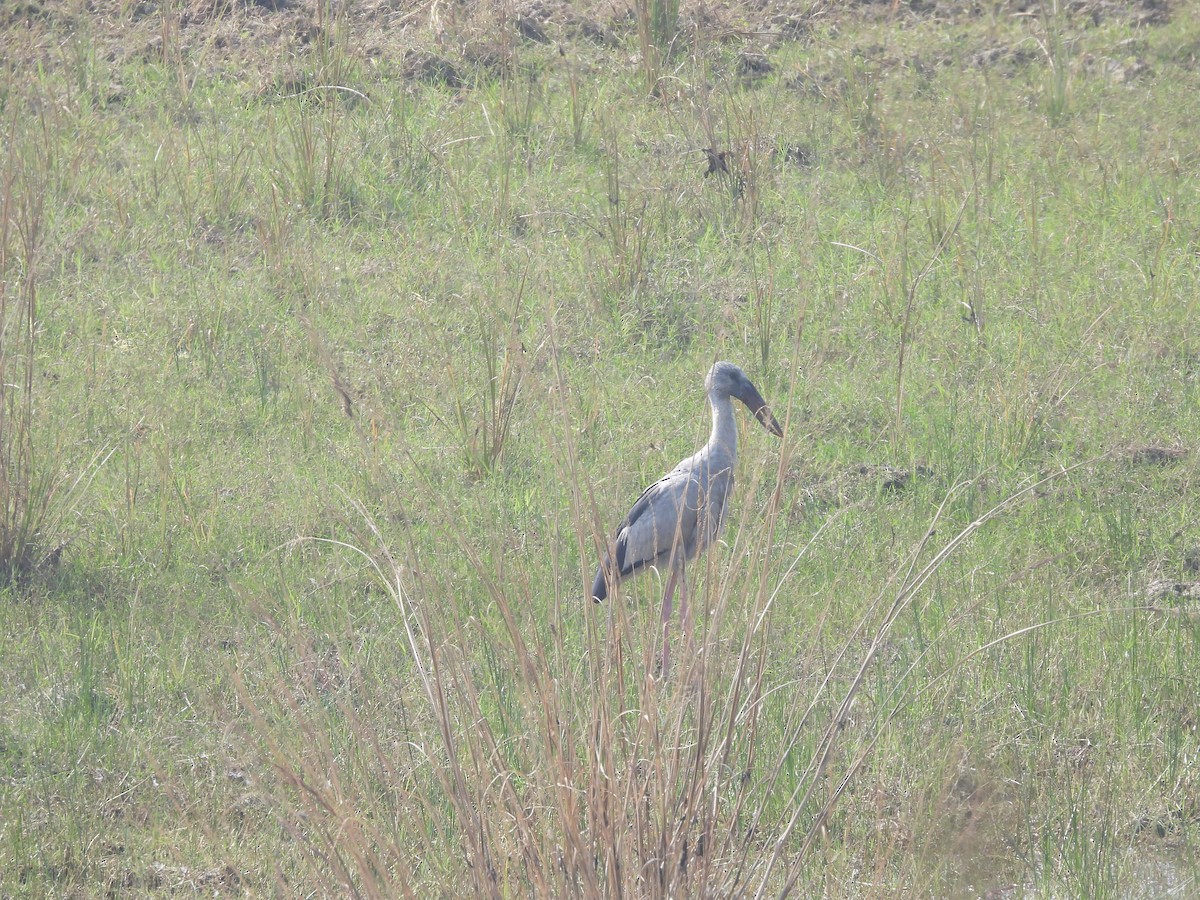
(580, 101)
(658, 27)
(554, 762)
(486, 383)
(33, 491)
(308, 139)
(913, 287)
(1056, 90)
(27, 484)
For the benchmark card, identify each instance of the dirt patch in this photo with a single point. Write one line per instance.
(752, 67)
(1143, 12)
(1167, 595)
(24, 13)
(853, 484)
(1155, 455)
(259, 35)
(429, 68)
(1007, 59)
(162, 877)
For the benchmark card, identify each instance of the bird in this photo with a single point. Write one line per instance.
(681, 514)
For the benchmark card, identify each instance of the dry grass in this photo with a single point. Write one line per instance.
(388, 314)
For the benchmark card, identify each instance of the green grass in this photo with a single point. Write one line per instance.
(380, 363)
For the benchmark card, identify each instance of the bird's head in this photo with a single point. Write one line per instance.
(727, 380)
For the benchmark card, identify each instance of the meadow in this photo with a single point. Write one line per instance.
(335, 340)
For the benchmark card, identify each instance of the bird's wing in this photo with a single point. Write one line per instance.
(662, 519)
(639, 524)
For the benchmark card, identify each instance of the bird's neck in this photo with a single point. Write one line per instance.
(724, 427)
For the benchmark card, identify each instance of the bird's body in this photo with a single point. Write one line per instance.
(678, 516)
(681, 514)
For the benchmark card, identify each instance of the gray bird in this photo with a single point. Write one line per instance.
(677, 517)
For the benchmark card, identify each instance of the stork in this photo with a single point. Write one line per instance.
(679, 516)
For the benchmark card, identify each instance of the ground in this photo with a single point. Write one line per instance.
(338, 338)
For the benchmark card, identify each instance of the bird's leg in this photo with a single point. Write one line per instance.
(668, 594)
(685, 616)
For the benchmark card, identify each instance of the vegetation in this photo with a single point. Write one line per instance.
(337, 339)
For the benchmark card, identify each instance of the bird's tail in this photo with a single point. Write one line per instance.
(600, 585)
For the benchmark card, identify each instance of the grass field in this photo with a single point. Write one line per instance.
(336, 340)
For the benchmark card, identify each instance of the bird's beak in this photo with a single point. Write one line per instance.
(757, 405)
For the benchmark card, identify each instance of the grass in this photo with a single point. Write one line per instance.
(381, 356)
